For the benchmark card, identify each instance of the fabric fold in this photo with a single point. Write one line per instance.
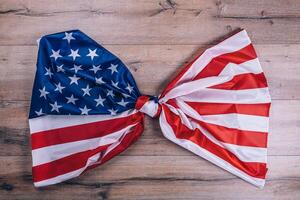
(86, 108)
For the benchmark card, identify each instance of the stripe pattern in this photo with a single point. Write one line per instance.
(65, 146)
(218, 108)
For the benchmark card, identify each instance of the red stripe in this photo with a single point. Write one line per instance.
(64, 165)
(158, 111)
(203, 108)
(173, 83)
(79, 160)
(141, 101)
(125, 143)
(244, 81)
(217, 64)
(253, 169)
(225, 134)
(82, 132)
(236, 136)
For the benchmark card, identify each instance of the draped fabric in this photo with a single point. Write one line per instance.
(86, 108)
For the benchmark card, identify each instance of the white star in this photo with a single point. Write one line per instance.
(110, 93)
(43, 92)
(60, 68)
(125, 95)
(99, 80)
(55, 54)
(99, 100)
(48, 72)
(92, 53)
(85, 110)
(59, 88)
(74, 79)
(113, 68)
(76, 68)
(71, 99)
(112, 111)
(86, 91)
(123, 103)
(39, 113)
(95, 68)
(129, 88)
(68, 37)
(115, 84)
(55, 107)
(74, 54)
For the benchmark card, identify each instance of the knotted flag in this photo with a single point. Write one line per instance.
(86, 108)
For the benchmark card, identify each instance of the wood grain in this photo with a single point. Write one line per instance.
(159, 176)
(151, 22)
(278, 61)
(151, 36)
(283, 139)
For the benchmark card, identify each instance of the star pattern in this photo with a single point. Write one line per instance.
(74, 80)
(95, 68)
(60, 68)
(115, 84)
(55, 54)
(112, 111)
(99, 80)
(113, 68)
(74, 54)
(129, 88)
(76, 68)
(39, 113)
(71, 99)
(84, 111)
(86, 91)
(92, 53)
(110, 93)
(81, 84)
(48, 72)
(55, 107)
(123, 103)
(68, 37)
(59, 88)
(43, 92)
(99, 101)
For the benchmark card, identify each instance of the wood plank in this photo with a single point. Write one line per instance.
(279, 63)
(153, 177)
(152, 36)
(151, 22)
(283, 139)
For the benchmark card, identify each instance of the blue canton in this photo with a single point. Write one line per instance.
(77, 76)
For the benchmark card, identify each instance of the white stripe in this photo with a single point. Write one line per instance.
(67, 176)
(239, 121)
(244, 153)
(248, 154)
(111, 148)
(95, 159)
(54, 152)
(247, 96)
(251, 66)
(168, 133)
(226, 75)
(49, 122)
(150, 108)
(232, 120)
(194, 86)
(231, 44)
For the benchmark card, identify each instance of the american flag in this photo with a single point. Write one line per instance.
(86, 108)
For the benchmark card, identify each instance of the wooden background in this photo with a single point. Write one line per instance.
(155, 38)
